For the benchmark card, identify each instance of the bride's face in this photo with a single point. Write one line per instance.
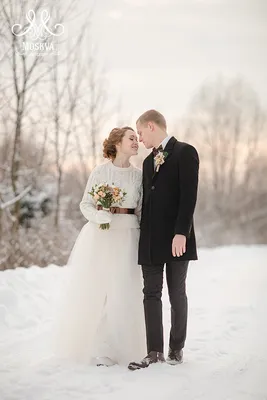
(129, 144)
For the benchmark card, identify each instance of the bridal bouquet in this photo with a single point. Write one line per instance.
(107, 196)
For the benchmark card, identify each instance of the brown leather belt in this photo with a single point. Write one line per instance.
(118, 210)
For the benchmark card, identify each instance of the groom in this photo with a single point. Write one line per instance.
(170, 182)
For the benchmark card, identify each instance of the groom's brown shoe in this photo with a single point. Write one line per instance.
(152, 358)
(175, 357)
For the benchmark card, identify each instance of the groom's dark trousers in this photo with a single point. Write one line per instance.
(176, 272)
(169, 199)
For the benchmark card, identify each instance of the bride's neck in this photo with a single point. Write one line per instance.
(121, 161)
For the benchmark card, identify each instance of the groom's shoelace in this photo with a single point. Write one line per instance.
(157, 150)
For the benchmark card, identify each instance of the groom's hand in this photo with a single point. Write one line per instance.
(178, 245)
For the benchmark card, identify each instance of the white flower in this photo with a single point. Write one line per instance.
(159, 159)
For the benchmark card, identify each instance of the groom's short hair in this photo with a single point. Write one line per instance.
(153, 116)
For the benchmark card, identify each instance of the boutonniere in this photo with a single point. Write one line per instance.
(160, 159)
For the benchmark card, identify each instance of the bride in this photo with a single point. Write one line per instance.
(102, 318)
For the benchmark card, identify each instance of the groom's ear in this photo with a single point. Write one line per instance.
(150, 126)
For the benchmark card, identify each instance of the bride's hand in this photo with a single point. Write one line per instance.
(103, 217)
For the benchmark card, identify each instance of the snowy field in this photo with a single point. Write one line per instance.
(225, 354)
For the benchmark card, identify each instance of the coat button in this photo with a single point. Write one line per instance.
(153, 187)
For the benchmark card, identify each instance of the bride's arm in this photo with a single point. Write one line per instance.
(88, 204)
(138, 209)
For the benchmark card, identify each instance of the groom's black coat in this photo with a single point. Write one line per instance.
(169, 199)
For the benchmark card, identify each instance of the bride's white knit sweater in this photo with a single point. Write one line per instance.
(129, 179)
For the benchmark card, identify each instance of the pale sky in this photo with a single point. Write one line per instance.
(159, 52)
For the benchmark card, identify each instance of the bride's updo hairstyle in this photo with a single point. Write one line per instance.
(115, 137)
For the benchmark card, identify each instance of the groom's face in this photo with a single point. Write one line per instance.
(145, 132)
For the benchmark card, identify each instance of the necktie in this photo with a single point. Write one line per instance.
(157, 150)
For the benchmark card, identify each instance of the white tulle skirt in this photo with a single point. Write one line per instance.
(101, 313)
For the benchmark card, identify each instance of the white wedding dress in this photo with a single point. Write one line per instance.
(102, 312)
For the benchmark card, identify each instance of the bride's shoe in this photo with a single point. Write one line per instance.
(104, 362)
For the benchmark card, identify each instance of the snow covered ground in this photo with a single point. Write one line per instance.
(225, 354)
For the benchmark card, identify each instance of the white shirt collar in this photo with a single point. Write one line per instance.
(165, 141)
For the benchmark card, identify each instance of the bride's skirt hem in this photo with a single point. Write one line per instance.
(101, 314)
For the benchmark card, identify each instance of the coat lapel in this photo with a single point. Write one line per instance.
(168, 149)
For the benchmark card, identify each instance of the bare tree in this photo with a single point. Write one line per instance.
(227, 123)
(91, 115)
(78, 110)
(27, 71)
(59, 103)
(64, 103)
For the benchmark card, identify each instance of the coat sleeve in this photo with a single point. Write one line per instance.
(138, 209)
(142, 192)
(188, 176)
